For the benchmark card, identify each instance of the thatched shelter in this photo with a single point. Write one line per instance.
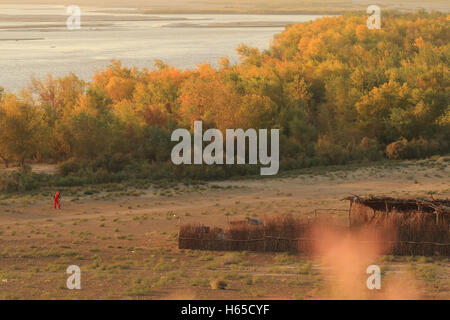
(388, 204)
(415, 226)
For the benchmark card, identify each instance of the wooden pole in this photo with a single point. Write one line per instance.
(349, 214)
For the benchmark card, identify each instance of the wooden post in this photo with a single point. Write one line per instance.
(264, 241)
(349, 214)
(179, 229)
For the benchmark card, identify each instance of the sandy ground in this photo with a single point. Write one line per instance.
(126, 246)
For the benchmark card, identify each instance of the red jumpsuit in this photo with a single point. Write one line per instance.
(56, 200)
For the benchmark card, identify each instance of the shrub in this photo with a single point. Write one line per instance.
(369, 149)
(102, 176)
(397, 150)
(21, 181)
(330, 151)
(218, 284)
(118, 161)
(415, 148)
(69, 166)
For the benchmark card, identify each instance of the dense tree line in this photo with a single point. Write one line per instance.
(337, 91)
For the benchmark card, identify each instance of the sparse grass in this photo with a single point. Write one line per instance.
(284, 258)
(139, 289)
(305, 268)
(425, 272)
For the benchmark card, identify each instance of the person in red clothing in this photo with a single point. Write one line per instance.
(56, 199)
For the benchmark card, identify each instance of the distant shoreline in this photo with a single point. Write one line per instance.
(223, 7)
(247, 12)
(22, 39)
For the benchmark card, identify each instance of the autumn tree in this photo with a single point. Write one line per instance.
(21, 129)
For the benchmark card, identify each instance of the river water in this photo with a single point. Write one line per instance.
(34, 40)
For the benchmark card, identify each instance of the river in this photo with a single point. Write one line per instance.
(35, 41)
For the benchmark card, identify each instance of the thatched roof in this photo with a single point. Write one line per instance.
(381, 203)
